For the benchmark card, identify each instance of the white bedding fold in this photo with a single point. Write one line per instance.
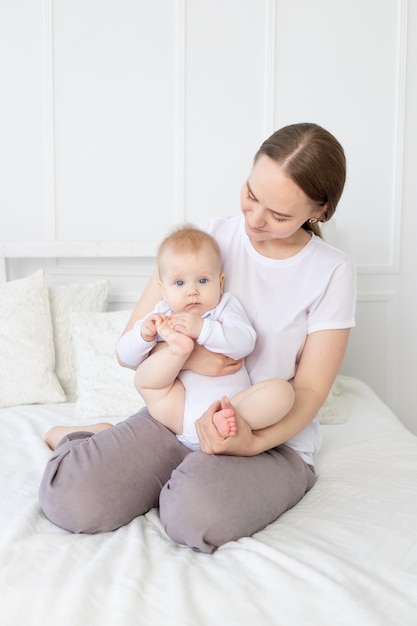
(346, 554)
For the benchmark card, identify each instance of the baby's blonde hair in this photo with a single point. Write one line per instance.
(188, 238)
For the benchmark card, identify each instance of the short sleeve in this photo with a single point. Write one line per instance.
(336, 306)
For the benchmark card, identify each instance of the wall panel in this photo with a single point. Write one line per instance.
(115, 102)
(371, 354)
(22, 121)
(225, 101)
(342, 64)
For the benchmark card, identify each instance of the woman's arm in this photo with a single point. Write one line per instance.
(320, 361)
(202, 361)
(147, 301)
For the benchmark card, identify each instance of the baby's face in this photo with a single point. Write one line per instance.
(191, 281)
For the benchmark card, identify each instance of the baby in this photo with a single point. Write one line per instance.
(195, 309)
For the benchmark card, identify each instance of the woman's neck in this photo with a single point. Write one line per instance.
(283, 248)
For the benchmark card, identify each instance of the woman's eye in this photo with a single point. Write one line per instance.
(249, 194)
(278, 218)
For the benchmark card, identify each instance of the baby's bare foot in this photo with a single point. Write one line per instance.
(178, 342)
(56, 433)
(225, 422)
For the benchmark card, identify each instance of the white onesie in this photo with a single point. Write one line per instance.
(226, 330)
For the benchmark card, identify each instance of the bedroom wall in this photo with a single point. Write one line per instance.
(120, 119)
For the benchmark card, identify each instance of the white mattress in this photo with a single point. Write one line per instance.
(345, 555)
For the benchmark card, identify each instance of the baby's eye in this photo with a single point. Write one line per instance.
(202, 281)
(179, 283)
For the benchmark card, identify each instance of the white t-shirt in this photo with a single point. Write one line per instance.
(286, 300)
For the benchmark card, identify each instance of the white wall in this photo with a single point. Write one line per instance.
(120, 118)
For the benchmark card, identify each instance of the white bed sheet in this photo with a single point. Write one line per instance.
(345, 555)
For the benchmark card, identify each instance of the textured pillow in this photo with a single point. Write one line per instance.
(104, 388)
(333, 410)
(64, 300)
(26, 344)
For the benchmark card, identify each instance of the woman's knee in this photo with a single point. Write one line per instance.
(75, 491)
(186, 519)
(211, 500)
(71, 504)
(66, 509)
(193, 508)
(99, 483)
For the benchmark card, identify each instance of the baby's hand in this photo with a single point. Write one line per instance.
(149, 328)
(189, 324)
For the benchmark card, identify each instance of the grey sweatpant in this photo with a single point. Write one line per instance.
(97, 483)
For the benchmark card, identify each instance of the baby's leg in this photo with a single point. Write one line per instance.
(156, 379)
(264, 403)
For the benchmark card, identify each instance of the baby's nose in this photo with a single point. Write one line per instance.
(193, 288)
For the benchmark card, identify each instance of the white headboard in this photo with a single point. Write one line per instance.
(64, 264)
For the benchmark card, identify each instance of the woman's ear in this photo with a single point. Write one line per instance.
(322, 211)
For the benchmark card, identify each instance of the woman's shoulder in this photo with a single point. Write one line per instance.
(329, 251)
(222, 225)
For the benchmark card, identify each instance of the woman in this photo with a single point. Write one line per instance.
(299, 293)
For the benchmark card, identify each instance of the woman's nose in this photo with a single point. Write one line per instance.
(257, 217)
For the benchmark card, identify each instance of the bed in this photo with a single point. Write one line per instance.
(346, 554)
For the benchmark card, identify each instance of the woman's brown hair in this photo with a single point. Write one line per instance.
(314, 159)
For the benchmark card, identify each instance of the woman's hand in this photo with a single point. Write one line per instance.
(202, 361)
(243, 443)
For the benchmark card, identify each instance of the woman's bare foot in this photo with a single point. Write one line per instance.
(225, 422)
(56, 433)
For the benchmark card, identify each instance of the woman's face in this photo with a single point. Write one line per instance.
(273, 205)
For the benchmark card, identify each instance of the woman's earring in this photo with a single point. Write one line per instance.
(313, 220)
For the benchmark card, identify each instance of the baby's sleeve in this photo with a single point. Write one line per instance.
(131, 348)
(228, 331)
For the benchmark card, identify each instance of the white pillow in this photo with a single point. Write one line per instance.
(105, 389)
(64, 300)
(334, 410)
(26, 344)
